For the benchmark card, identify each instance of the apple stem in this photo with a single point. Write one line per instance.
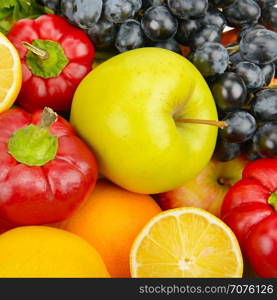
(219, 124)
(224, 182)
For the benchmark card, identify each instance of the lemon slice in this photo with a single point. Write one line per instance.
(188, 243)
(10, 73)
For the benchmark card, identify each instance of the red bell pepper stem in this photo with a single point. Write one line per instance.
(48, 118)
(272, 200)
(42, 54)
(58, 57)
(35, 145)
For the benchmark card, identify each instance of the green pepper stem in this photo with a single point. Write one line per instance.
(219, 124)
(42, 54)
(273, 200)
(48, 118)
(35, 145)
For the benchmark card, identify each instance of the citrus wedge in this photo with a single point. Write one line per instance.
(186, 242)
(10, 73)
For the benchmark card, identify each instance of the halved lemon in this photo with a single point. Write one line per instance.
(186, 242)
(10, 73)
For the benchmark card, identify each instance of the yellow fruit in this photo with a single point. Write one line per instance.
(186, 242)
(10, 73)
(110, 221)
(134, 121)
(41, 251)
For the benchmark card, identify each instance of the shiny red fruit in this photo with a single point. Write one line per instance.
(249, 209)
(52, 81)
(48, 192)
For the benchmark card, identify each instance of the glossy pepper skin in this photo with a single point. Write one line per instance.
(249, 208)
(57, 91)
(34, 195)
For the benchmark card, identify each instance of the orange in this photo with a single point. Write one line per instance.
(186, 242)
(10, 73)
(110, 220)
(273, 83)
(41, 251)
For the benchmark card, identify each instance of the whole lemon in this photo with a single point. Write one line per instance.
(41, 251)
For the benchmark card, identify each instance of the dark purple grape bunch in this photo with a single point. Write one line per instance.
(129, 24)
(241, 92)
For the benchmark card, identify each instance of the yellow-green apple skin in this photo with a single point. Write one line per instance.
(127, 110)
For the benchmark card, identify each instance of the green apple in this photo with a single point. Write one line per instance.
(208, 189)
(136, 111)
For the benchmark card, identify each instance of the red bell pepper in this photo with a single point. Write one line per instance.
(55, 57)
(250, 209)
(46, 171)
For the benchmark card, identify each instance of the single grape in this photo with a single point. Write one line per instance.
(265, 140)
(242, 12)
(102, 34)
(211, 59)
(171, 45)
(185, 9)
(268, 72)
(264, 105)
(209, 33)
(118, 11)
(251, 74)
(130, 36)
(52, 4)
(265, 3)
(83, 13)
(158, 23)
(252, 151)
(214, 17)
(67, 9)
(248, 28)
(269, 16)
(137, 4)
(148, 3)
(186, 29)
(241, 127)
(259, 46)
(221, 3)
(226, 151)
(229, 91)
